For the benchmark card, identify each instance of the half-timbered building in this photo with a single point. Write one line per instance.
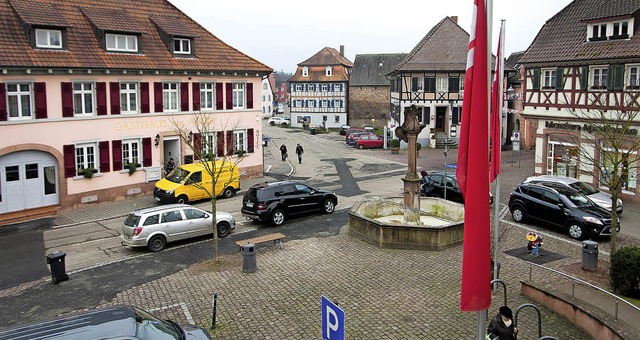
(585, 58)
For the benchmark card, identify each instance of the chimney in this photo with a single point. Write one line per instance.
(342, 51)
(455, 18)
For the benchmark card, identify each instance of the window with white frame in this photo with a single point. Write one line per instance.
(598, 77)
(86, 156)
(264, 86)
(598, 32)
(329, 71)
(549, 78)
(325, 103)
(181, 46)
(298, 103)
(128, 97)
(48, 38)
(19, 101)
(324, 87)
(628, 167)
(121, 42)
(209, 145)
(417, 84)
(239, 141)
(442, 84)
(305, 71)
(462, 79)
(633, 77)
(83, 98)
(620, 28)
(238, 95)
(298, 87)
(336, 87)
(207, 96)
(170, 97)
(131, 152)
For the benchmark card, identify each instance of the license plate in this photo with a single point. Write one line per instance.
(249, 204)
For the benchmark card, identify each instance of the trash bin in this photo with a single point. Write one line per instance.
(56, 261)
(249, 258)
(589, 255)
(312, 131)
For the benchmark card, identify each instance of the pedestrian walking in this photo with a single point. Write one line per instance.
(170, 166)
(299, 152)
(501, 327)
(283, 152)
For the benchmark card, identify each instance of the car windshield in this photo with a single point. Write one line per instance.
(150, 327)
(132, 220)
(577, 199)
(584, 188)
(177, 175)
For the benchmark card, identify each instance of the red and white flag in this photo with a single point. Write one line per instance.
(496, 111)
(472, 170)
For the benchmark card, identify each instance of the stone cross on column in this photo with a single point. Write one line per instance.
(408, 132)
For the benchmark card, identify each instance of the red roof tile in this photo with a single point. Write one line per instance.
(112, 20)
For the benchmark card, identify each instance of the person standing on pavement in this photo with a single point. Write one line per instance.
(299, 152)
(283, 152)
(170, 166)
(501, 327)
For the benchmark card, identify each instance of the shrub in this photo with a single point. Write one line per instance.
(394, 143)
(624, 273)
(418, 146)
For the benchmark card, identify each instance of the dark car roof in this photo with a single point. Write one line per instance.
(272, 184)
(442, 173)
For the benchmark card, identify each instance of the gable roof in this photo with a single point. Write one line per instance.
(83, 50)
(327, 56)
(371, 69)
(563, 37)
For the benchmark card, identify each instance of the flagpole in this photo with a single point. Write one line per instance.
(496, 210)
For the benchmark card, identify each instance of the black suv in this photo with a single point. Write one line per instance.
(278, 201)
(560, 206)
(436, 183)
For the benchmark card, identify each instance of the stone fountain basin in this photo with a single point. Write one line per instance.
(380, 222)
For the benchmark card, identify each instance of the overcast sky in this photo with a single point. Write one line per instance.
(284, 33)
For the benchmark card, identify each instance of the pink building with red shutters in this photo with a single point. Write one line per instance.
(97, 87)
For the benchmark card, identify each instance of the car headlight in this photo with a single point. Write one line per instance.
(592, 220)
(168, 192)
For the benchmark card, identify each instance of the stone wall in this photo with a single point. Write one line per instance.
(368, 102)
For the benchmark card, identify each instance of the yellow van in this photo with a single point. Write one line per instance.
(187, 182)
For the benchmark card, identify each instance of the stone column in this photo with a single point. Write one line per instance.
(412, 182)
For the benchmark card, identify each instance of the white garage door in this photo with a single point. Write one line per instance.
(28, 179)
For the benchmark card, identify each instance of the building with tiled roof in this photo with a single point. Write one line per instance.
(369, 88)
(586, 58)
(319, 90)
(95, 87)
(281, 92)
(268, 101)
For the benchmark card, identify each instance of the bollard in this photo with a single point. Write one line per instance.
(249, 258)
(589, 255)
(215, 302)
(56, 261)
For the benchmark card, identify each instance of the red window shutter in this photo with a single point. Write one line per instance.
(195, 88)
(184, 97)
(3, 102)
(219, 97)
(40, 94)
(69, 152)
(67, 99)
(230, 148)
(101, 98)
(250, 140)
(249, 95)
(229, 96)
(144, 98)
(146, 152)
(116, 146)
(157, 97)
(220, 142)
(197, 146)
(114, 93)
(103, 146)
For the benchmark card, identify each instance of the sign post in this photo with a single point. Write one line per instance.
(332, 321)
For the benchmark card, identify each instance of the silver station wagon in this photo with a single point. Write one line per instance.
(156, 226)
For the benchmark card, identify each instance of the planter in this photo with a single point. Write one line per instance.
(395, 150)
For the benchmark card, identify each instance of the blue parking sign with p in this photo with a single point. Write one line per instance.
(332, 321)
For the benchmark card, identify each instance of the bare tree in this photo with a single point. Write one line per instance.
(210, 144)
(608, 149)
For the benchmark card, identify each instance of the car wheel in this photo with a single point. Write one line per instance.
(575, 230)
(277, 217)
(272, 123)
(328, 206)
(228, 192)
(223, 229)
(361, 146)
(518, 214)
(157, 243)
(182, 199)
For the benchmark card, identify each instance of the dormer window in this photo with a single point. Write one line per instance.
(305, 71)
(121, 42)
(48, 38)
(329, 71)
(620, 30)
(598, 32)
(181, 46)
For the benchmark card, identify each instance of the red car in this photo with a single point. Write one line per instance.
(350, 131)
(369, 141)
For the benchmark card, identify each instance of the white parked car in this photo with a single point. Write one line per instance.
(277, 120)
(156, 226)
(598, 197)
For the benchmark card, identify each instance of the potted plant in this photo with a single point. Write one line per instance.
(394, 145)
(418, 147)
(87, 173)
(132, 167)
(240, 153)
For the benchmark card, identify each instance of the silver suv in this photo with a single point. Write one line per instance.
(155, 227)
(598, 197)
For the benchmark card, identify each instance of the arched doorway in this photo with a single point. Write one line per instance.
(28, 179)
